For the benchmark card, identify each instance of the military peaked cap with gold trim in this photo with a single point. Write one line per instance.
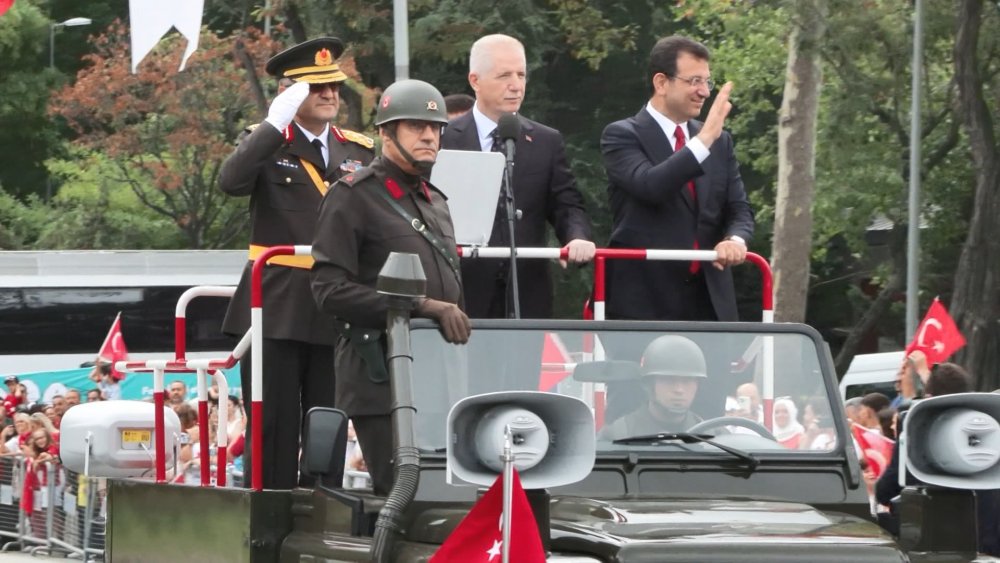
(314, 61)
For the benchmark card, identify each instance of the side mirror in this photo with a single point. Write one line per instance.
(607, 371)
(324, 444)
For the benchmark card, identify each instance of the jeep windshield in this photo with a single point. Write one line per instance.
(753, 387)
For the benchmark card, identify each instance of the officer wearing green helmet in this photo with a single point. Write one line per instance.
(388, 206)
(672, 367)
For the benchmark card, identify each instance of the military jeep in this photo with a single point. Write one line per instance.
(724, 490)
(738, 483)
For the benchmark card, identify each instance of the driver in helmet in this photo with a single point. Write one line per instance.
(672, 367)
(389, 206)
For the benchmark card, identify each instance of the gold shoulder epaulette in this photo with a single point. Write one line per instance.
(355, 137)
(246, 133)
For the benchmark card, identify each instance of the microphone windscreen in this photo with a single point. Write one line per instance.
(509, 126)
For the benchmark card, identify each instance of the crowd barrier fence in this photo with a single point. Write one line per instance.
(46, 509)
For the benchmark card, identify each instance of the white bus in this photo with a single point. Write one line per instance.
(56, 306)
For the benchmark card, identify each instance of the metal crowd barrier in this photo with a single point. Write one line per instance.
(46, 509)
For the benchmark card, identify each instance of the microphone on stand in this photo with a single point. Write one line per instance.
(508, 130)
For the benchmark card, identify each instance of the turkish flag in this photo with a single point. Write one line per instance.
(478, 538)
(556, 362)
(937, 336)
(114, 348)
(876, 448)
(5, 5)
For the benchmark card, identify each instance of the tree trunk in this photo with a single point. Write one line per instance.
(797, 162)
(252, 79)
(294, 23)
(976, 303)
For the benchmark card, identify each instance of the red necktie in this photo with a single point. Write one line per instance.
(679, 135)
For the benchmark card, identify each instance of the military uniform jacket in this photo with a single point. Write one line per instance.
(283, 205)
(356, 230)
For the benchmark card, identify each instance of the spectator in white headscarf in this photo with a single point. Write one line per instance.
(787, 428)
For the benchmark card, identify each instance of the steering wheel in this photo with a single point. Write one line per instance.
(719, 421)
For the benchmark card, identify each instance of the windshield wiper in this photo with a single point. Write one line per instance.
(689, 438)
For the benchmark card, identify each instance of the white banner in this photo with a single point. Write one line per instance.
(152, 19)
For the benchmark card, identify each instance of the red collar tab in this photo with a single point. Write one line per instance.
(338, 135)
(426, 191)
(289, 133)
(394, 189)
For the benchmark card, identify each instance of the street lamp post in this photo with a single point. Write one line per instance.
(72, 22)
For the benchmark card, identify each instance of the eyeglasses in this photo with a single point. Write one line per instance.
(319, 88)
(697, 81)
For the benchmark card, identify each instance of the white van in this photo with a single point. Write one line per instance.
(870, 373)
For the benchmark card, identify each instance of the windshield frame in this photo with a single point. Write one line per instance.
(824, 360)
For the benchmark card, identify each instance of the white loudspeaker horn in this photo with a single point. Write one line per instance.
(954, 441)
(120, 436)
(554, 441)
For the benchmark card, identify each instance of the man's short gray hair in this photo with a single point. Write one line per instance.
(480, 59)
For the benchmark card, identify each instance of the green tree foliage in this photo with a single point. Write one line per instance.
(26, 134)
(166, 132)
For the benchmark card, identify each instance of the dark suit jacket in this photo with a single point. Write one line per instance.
(284, 204)
(545, 191)
(653, 208)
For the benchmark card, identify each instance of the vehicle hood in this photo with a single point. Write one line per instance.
(716, 529)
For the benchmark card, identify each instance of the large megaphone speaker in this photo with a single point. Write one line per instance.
(953, 441)
(553, 438)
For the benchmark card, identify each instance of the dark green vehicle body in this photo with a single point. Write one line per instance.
(659, 503)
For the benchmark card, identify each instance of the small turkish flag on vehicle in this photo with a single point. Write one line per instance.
(478, 538)
(114, 348)
(5, 5)
(876, 448)
(937, 336)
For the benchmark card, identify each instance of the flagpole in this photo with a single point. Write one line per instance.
(508, 492)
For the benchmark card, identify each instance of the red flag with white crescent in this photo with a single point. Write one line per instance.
(876, 448)
(114, 348)
(5, 5)
(478, 538)
(937, 336)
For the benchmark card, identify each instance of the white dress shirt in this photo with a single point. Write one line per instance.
(485, 127)
(323, 138)
(698, 148)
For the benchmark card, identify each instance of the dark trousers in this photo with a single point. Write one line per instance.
(375, 438)
(297, 376)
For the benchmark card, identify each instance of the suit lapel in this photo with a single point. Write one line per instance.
(301, 148)
(522, 147)
(466, 136)
(657, 145)
(654, 141)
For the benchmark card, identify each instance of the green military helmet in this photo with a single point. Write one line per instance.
(411, 99)
(673, 355)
